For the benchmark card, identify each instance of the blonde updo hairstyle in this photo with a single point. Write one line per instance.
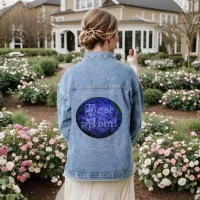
(98, 26)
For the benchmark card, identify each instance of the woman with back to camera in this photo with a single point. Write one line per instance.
(132, 60)
(100, 105)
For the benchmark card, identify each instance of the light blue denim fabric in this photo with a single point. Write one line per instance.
(100, 74)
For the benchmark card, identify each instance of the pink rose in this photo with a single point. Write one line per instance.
(51, 141)
(48, 124)
(29, 144)
(17, 127)
(191, 177)
(180, 173)
(167, 152)
(173, 161)
(161, 151)
(22, 169)
(24, 148)
(59, 183)
(26, 128)
(62, 146)
(196, 169)
(184, 168)
(4, 169)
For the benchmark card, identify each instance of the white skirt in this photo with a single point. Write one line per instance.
(97, 190)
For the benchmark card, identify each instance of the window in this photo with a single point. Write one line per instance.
(145, 39)
(78, 32)
(138, 39)
(174, 19)
(150, 39)
(87, 4)
(120, 39)
(194, 45)
(62, 40)
(54, 40)
(178, 45)
(168, 18)
(128, 41)
(163, 19)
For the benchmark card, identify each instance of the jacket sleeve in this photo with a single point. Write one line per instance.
(64, 110)
(136, 112)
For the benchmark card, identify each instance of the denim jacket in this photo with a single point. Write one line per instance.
(100, 105)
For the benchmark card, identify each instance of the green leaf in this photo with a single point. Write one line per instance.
(148, 183)
(52, 165)
(2, 182)
(10, 197)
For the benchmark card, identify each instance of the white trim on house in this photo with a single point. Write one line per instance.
(132, 27)
(86, 5)
(115, 1)
(197, 46)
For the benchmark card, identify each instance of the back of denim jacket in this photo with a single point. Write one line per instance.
(100, 105)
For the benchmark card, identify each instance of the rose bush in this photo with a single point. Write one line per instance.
(13, 70)
(168, 162)
(32, 92)
(40, 150)
(162, 64)
(170, 80)
(154, 124)
(182, 99)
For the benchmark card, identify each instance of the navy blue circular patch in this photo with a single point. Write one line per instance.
(99, 117)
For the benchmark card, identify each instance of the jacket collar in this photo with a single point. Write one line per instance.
(99, 54)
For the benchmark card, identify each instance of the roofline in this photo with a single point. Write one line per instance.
(123, 4)
(9, 7)
(46, 4)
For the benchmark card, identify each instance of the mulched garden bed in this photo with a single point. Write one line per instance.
(40, 189)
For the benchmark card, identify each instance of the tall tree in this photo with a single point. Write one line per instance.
(188, 25)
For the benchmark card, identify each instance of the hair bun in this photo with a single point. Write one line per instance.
(98, 25)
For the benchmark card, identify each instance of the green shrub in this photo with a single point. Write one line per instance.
(178, 60)
(142, 57)
(192, 59)
(162, 55)
(48, 66)
(118, 56)
(1, 99)
(163, 49)
(152, 96)
(37, 69)
(52, 97)
(30, 52)
(60, 57)
(20, 117)
(70, 56)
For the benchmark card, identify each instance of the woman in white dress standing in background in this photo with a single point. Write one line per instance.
(132, 61)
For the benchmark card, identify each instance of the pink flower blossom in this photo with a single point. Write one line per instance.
(17, 127)
(59, 183)
(48, 124)
(26, 128)
(26, 163)
(191, 177)
(180, 173)
(167, 152)
(62, 146)
(196, 169)
(22, 169)
(161, 151)
(24, 148)
(173, 161)
(184, 168)
(4, 169)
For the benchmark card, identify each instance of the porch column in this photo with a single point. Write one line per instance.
(65, 40)
(46, 45)
(58, 40)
